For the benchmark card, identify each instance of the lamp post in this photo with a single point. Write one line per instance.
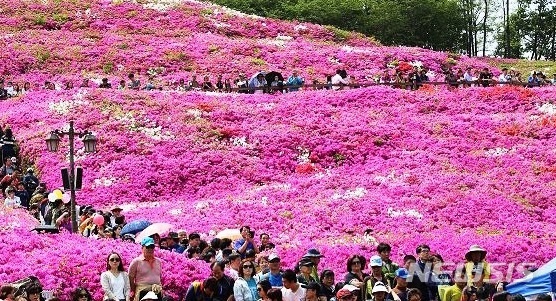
(52, 144)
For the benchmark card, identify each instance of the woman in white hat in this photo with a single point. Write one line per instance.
(476, 268)
(379, 291)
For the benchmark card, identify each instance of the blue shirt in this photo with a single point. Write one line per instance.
(275, 280)
(252, 284)
(295, 81)
(239, 243)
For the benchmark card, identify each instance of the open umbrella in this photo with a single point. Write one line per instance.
(270, 76)
(135, 227)
(253, 78)
(156, 228)
(232, 234)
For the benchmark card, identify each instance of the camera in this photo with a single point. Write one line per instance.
(252, 233)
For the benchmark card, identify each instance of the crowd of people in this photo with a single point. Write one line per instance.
(274, 82)
(252, 271)
(485, 78)
(262, 82)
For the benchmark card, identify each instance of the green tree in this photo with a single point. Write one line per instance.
(535, 25)
(509, 35)
(434, 24)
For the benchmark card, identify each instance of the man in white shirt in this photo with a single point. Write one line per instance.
(338, 81)
(10, 89)
(233, 266)
(468, 77)
(292, 291)
(504, 77)
(11, 200)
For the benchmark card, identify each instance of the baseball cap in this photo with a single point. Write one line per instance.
(273, 258)
(306, 263)
(351, 288)
(14, 159)
(343, 293)
(379, 287)
(402, 273)
(147, 241)
(312, 253)
(376, 261)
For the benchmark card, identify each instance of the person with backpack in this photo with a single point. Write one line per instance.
(202, 291)
(30, 181)
(8, 144)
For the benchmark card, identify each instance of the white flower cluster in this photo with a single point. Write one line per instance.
(547, 108)
(282, 37)
(155, 71)
(404, 213)
(218, 24)
(300, 27)
(357, 193)
(196, 113)
(334, 60)
(303, 155)
(417, 64)
(496, 152)
(177, 211)
(232, 12)
(153, 132)
(161, 5)
(202, 205)
(63, 107)
(104, 181)
(349, 49)
(240, 141)
(266, 105)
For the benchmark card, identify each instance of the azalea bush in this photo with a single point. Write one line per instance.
(312, 169)
(70, 40)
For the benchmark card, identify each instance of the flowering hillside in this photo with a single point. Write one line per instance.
(66, 40)
(312, 168)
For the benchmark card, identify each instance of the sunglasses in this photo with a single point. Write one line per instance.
(247, 266)
(115, 259)
(83, 296)
(259, 289)
(150, 247)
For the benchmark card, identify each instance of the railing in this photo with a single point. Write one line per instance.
(404, 85)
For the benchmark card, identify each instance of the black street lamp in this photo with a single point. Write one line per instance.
(53, 143)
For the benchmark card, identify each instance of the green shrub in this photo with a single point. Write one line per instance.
(42, 55)
(107, 68)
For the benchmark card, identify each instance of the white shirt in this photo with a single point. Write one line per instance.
(503, 78)
(12, 203)
(468, 77)
(338, 79)
(288, 295)
(11, 91)
(118, 285)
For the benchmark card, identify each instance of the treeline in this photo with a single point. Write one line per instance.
(513, 27)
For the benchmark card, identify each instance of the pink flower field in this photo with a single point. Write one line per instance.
(312, 168)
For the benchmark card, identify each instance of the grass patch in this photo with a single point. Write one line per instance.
(525, 66)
